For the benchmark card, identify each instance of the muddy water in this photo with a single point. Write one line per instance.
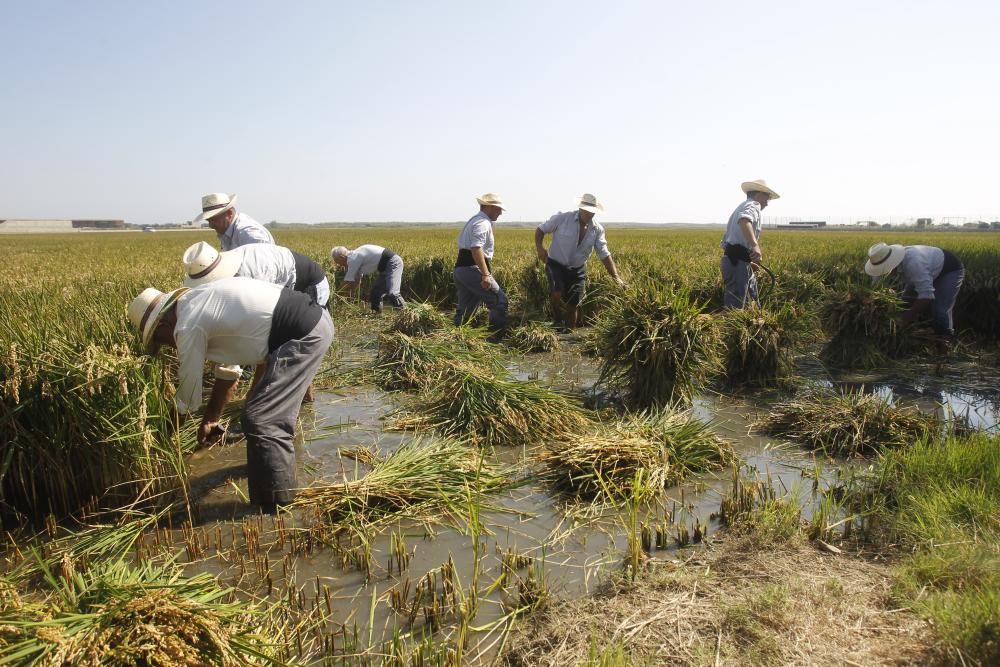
(572, 550)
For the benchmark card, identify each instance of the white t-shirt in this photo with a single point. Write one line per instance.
(362, 260)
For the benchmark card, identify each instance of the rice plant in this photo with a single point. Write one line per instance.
(532, 337)
(759, 344)
(116, 614)
(849, 423)
(661, 448)
(418, 319)
(404, 362)
(656, 346)
(490, 411)
(423, 480)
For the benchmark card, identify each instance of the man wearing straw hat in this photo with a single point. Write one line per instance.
(575, 235)
(260, 261)
(233, 229)
(931, 280)
(241, 321)
(473, 272)
(366, 259)
(741, 245)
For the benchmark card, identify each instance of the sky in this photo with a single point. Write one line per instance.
(405, 111)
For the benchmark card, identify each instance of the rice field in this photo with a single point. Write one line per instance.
(449, 485)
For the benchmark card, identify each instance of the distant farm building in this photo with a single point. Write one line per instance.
(54, 226)
(803, 224)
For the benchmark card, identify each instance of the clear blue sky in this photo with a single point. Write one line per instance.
(375, 110)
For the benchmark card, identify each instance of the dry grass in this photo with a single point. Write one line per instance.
(735, 604)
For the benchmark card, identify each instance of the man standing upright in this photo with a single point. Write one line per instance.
(575, 235)
(234, 229)
(473, 272)
(741, 245)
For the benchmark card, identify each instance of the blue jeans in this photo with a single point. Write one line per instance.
(740, 283)
(946, 288)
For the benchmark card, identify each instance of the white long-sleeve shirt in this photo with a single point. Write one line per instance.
(244, 230)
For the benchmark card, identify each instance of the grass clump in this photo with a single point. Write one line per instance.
(758, 344)
(849, 423)
(753, 508)
(424, 480)
(116, 614)
(532, 337)
(659, 449)
(406, 362)
(490, 410)
(937, 502)
(656, 347)
(419, 319)
(860, 321)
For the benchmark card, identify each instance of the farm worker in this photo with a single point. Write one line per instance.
(233, 229)
(242, 321)
(473, 275)
(931, 279)
(364, 260)
(575, 235)
(260, 261)
(741, 245)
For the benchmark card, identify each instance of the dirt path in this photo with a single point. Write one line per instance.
(733, 603)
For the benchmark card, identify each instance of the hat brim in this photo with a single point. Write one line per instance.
(162, 308)
(896, 254)
(229, 263)
(750, 186)
(593, 209)
(205, 215)
(491, 203)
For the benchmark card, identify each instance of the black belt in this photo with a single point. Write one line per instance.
(736, 253)
(951, 263)
(465, 259)
(384, 259)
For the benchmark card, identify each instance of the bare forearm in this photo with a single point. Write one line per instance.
(222, 391)
(539, 237)
(609, 264)
(748, 234)
(347, 287)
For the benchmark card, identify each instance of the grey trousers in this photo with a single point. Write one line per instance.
(946, 288)
(388, 283)
(741, 283)
(471, 295)
(271, 411)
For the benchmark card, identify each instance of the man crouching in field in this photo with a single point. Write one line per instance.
(741, 245)
(237, 321)
(575, 235)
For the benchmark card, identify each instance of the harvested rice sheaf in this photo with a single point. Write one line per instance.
(860, 321)
(657, 348)
(423, 480)
(759, 344)
(489, 410)
(665, 448)
(419, 319)
(405, 362)
(532, 337)
(846, 422)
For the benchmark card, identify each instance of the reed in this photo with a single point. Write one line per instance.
(656, 347)
(662, 449)
(494, 411)
(849, 423)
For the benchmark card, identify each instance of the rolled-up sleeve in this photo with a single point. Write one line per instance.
(223, 372)
(550, 225)
(601, 244)
(191, 348)
(479, 234)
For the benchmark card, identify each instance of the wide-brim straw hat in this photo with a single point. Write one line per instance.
(148, 308)
(588, 202)
(759, 186)
(882, 258)
(203, 264)
(215, 203)
(491, 199)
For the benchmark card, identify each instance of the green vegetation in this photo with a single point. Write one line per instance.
(760, 343)
(532, 337)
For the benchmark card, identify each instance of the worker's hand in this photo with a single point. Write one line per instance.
(486, 282)
(543, 256)
(755, 255)
(620, 282)
(209, 433)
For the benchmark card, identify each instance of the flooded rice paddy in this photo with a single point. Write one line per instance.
(538, 543)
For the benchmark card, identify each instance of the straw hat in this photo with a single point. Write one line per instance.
(491, 199)
(146, 310)
(203, 264)
(882, 258)
(215, 203)
(759, 186)
(588, 202)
